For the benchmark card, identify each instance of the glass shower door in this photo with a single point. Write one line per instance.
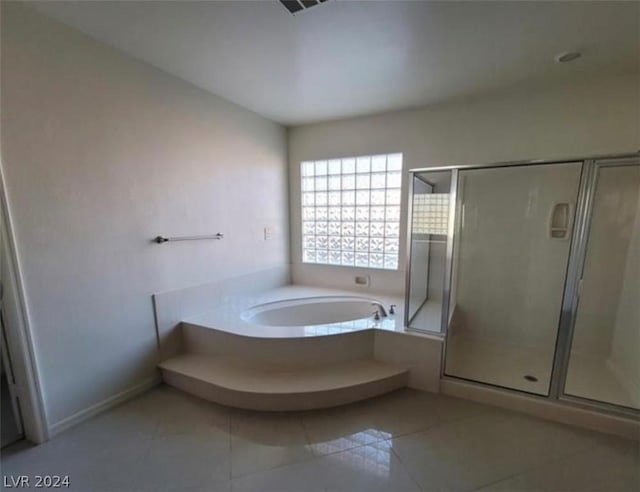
(604, 363)
(513, 235)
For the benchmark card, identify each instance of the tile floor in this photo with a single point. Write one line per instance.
(404, 441)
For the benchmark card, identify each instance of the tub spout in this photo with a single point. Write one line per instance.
(381, 309)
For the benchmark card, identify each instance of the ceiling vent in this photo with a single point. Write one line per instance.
(295, 6)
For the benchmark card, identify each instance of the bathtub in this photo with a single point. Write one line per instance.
(295, 348)
(312, 311)
(298, 311)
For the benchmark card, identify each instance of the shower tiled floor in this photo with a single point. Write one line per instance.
(404, 441)
(506, 365)
(499, 364)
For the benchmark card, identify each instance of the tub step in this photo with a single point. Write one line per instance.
(264, 386)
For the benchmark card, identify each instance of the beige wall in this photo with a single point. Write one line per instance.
(593, 117)
(101, 153)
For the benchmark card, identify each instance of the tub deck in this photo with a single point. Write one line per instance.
(229, 360)
(226, 316)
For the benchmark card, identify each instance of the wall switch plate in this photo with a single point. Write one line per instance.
(362, 280)
(269, 232)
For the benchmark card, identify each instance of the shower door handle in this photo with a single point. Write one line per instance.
(560, 221)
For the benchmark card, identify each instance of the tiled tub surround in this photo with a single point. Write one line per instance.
(172, 307)
(222, 356)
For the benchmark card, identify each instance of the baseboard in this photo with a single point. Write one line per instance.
(102, 406)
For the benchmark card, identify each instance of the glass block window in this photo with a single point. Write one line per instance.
(351, 211)
(430, 213)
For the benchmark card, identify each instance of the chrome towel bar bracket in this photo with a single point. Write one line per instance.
(162, 239)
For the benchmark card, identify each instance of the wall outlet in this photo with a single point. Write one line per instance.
(362, 280)
(269, 232)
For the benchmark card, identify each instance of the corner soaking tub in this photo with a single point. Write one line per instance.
(295, 348)
(311, 311)
(299, 311)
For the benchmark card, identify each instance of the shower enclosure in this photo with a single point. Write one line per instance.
(532, 271)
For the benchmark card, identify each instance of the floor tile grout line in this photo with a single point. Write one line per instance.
(405, 467)
(539, 466)
(411, 433)
(313, 457)
(230, 449)
(306, 436)
(436, 425)
(283, 465)
(231, 412)
(502, 416)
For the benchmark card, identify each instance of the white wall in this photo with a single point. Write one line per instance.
(511, 273)
(626, 334)
(606, 268)
(594, 117)
(101, 154)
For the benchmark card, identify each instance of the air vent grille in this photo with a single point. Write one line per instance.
(294, 6)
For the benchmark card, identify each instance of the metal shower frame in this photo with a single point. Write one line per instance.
(577, 255)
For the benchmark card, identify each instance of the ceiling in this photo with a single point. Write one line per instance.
(346, 58)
